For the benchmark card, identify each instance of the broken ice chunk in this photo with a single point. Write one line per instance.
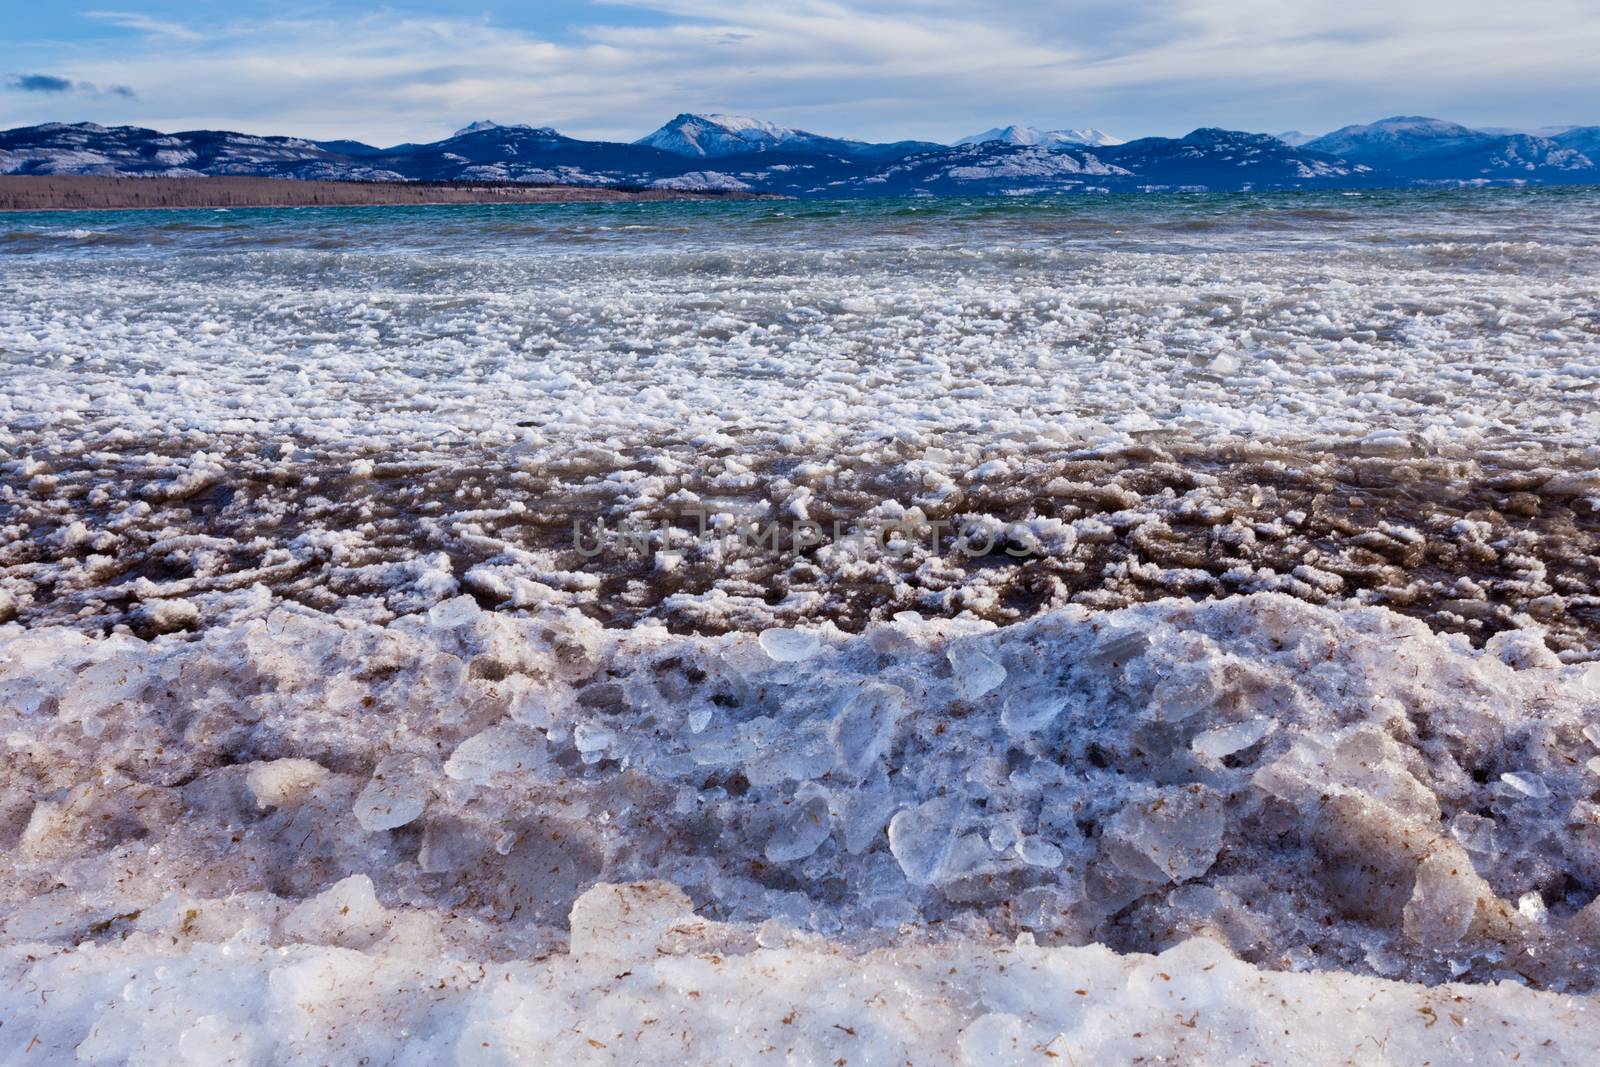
(101, 686)
(1592, 732)
(456, 612)
(865, 726)
(802, 828)
(398, 793)
(1224, 741)
(975, 672)
(1527, 783)
(592, 740)
(1475, 833)
(1178, 834)
(347, 914)
(277, 783)
(497, 750)
(1006, 833)
(1037, 852)
(865, 812)
(920, 838)
(788, 646)
(622, 923)
(1446, 894)
(1027, 711)
(1117, 648)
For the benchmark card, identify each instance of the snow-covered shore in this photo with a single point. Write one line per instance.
(276, 834)
(651, 982)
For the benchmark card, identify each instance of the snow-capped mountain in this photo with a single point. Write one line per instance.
(720, 135)
(1551, 132)
(1032, 135)
(1294, 138)
(483, 125)
(1229, 159)
(89, 148)
(709, 136)
(1585, 139)
(997, 167)
(1403, 136)
(1436, 150)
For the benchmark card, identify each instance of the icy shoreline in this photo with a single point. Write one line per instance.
(709, 541)
(1337, 791)
(648, 981)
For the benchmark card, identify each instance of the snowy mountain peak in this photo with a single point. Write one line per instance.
(1032, 135)
(745, 124)
(1433, 149)
(721, 135)
(1401, 132)
(1418, 126)
(483, 125)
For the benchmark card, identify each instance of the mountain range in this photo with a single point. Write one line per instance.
(734, 153)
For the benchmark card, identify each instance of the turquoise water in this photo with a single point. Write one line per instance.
(1167, 222)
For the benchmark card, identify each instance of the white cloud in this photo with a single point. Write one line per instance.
(879, 68)
(130, 20)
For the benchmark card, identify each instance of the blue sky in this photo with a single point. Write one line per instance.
(937, 69)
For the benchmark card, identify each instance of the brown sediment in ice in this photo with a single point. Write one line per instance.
(1470, 544)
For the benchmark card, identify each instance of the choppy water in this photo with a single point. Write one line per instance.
(1250, 222)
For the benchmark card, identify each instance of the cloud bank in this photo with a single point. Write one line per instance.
(868, 68)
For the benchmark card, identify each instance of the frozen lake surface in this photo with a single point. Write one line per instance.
(995, 631)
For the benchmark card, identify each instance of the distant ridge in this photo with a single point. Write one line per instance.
(1032, 135)
(711, 136)
(483, 125)
(728, 153)
(1421, 148)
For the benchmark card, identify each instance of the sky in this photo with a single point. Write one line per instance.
(876, 69)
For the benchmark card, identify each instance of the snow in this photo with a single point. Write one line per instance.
(1032, 135)
(720, 135)
(1038, 163)
(1403, 132)
(647, 974)
(484, 125)
(702, 181)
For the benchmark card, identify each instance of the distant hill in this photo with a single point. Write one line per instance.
(1229, 159)
(1432, 149)
(710, 136)
(1032, 135)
